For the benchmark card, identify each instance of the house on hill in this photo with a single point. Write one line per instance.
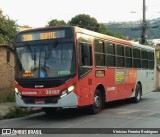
(7, 63)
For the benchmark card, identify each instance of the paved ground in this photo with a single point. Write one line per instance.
(120, 114)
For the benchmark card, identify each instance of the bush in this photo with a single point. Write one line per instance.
(9, 98)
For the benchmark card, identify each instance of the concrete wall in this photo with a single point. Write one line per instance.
(6, 71)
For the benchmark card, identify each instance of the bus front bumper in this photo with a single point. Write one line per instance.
(68, 101)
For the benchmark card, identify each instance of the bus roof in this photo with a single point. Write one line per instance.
(94, 34)
(141, 46)
(43, 28)
(102, 36)
(85, 31)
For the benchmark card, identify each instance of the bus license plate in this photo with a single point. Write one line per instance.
(39, 102)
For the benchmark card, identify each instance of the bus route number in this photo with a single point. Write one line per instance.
(27, 37)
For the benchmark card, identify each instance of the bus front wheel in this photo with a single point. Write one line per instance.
(97, 103)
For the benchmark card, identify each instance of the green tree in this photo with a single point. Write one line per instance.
(115, 34)
(8, 29)
(90, 23)
(85, 21)
(56, 22)
(102, 28)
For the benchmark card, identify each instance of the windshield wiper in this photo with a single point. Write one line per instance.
(30, 51)
(46, 57)
(54, 45)
(34, 58)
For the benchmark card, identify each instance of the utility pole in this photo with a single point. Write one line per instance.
(144, 24)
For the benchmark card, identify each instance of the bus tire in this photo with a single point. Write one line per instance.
(138, 94)
(50, 111)
(97, 105)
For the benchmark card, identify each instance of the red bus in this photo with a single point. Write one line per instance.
(71, 67)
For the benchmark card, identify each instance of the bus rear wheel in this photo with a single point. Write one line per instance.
(97, 103)
(138, 94)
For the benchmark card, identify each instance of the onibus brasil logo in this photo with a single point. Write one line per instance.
(16, 132)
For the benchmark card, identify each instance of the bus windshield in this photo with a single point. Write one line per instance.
(44, 61)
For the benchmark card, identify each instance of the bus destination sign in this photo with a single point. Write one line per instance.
(46, 35)
(41, 35)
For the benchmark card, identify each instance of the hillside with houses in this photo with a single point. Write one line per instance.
(132, 30)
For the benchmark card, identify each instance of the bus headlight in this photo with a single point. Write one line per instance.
(71, 88)
(67, 91)
(16, 90)
(64, 93)
(18, 93)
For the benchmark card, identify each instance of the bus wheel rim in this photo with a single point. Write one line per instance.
(97, 101)
(138, 94)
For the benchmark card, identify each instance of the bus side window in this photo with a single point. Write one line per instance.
(85, 55)
(120, 56)
(144, 59)
(128, 57)
(110, 52)
(136, 58)
(99, 51)
(150, 60)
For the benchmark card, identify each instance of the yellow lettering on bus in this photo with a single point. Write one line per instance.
(27, 73)
(27, 37)
(47, 35)
(120, 76)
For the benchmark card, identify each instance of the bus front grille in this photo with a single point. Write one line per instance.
(38, 83)
(46, 100)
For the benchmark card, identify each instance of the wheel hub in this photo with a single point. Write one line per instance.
(97, 101)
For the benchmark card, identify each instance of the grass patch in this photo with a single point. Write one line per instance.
(8, 98)
(17, 112)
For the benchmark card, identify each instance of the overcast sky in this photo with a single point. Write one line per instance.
(36, 13)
